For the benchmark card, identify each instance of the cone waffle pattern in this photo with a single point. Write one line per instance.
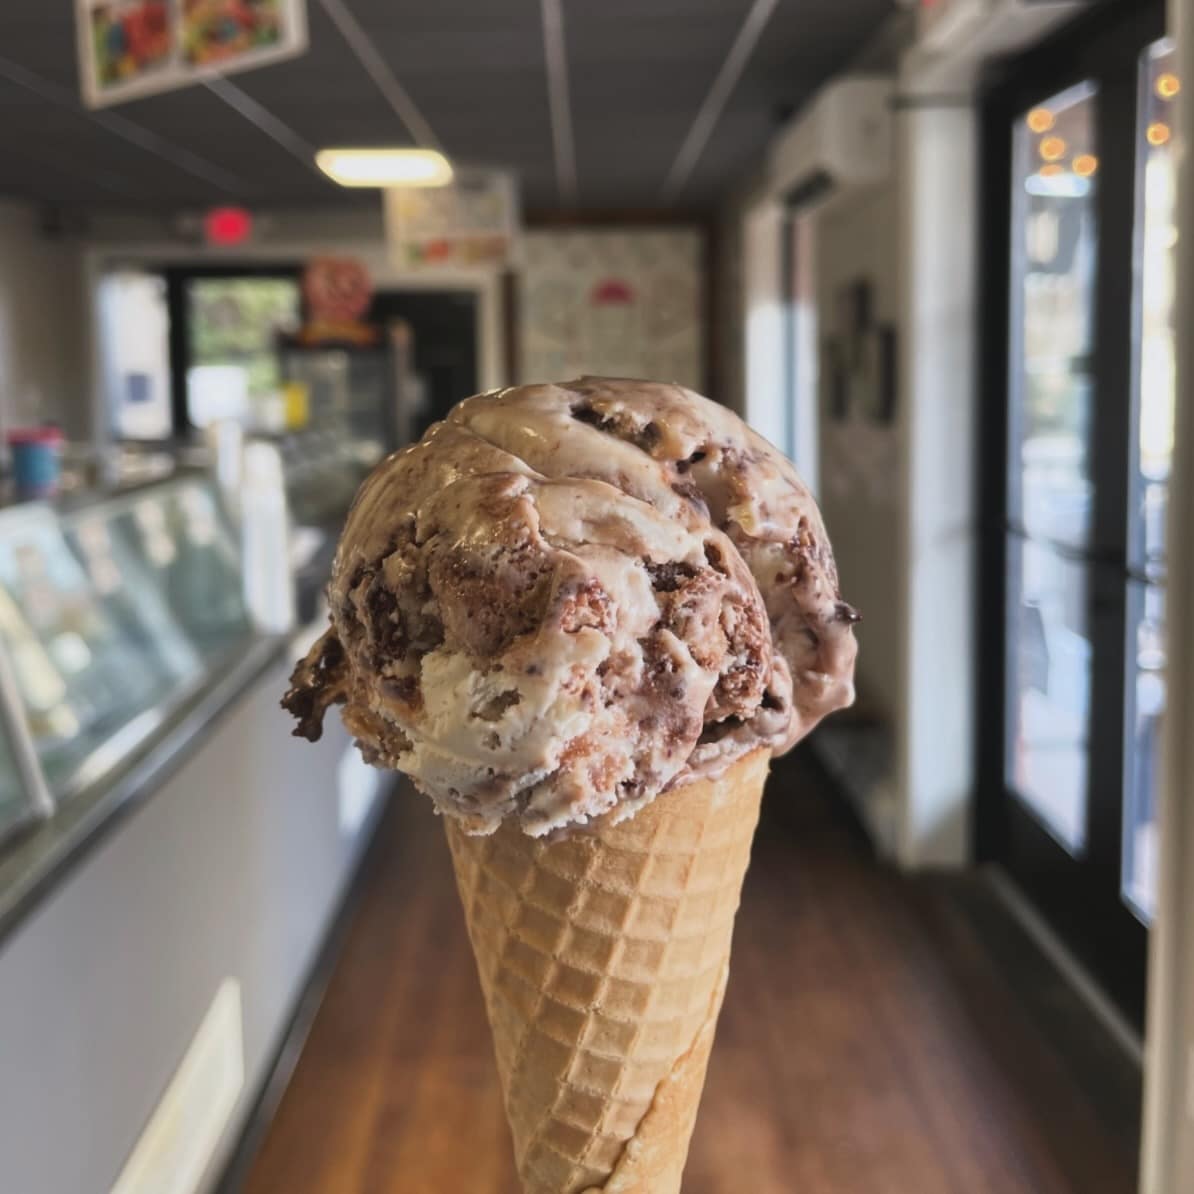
(603, 959)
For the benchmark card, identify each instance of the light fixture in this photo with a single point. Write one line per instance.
(1051, 170)
(1158, 133)
(1168, 85)
(1040, 120)
(1053, 148)
(1085, 164)
(385, 167)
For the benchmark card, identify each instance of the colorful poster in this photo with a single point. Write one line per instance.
(131, 48)
(338, 292)
(471, 223)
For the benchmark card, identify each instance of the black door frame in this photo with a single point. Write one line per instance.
(1080, 899)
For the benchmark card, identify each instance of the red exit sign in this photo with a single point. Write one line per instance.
(227, 226)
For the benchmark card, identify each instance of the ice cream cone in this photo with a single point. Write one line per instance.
(603, 958)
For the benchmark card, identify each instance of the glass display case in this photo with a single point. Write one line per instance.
(356, 400)
(111, 616)
(351, 391)
(23, 796)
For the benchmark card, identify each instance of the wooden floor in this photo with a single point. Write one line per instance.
(867, 1045)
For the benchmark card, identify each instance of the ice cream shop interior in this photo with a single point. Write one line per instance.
(379, 775)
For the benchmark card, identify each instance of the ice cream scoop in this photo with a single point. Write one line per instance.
(568, 598)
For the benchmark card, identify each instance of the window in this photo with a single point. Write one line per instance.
(1152, 452)
(232, 324)
(1078, 346)
(1054, 247)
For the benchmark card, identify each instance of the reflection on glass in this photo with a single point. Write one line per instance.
(124, 586)
(1156, 218)
(1146, 705)
(111, 616)
(181, 540)
(83, 674)
(1054, 244)
(14, 804)
(1049, 664)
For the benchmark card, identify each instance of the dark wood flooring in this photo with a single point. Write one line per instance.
(869, 1044)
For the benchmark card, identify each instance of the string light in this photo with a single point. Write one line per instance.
(1085, 164)
(1051, 170)
(1052, 148)
(1039, 120)
(1168, 85)
(1158, 133)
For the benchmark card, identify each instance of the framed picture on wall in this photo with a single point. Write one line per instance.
(837, 378)
(131, 48)
(889, 377)
(860, 358)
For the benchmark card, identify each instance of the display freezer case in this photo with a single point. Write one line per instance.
(111, 617)
(24, 798)
(189, 834)
(357, 400)
(352, 391)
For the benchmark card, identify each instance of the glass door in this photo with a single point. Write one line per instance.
(1078, 376)
(224, 326)
(1151, 454)
(1054, 255)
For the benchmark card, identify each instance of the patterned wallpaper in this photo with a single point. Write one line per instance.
(622, 303)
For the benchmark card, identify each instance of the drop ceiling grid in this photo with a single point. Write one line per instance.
(638, 73)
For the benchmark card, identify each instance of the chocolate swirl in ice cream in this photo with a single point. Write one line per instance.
(567, 598)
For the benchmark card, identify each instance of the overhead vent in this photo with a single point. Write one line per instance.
(840, 142)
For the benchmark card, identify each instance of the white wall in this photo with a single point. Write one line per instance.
(764, 312)
(44, 342)
(938, 236)
(860, 467)
(899, 499)
(567, 326)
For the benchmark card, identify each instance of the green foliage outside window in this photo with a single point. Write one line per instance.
(233, 321)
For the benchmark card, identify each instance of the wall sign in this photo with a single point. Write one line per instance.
(622, 303)
(859, 361)
(471, 223)
(130, 48)
(338, 292)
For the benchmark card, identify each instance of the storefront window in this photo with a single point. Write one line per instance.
(1054, 255)
(232, 327)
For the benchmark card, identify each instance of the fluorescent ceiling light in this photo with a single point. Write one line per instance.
(385, 167)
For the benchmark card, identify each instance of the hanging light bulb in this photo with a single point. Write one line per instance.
(1053, 148)
(1168, 85)
(1039, 120)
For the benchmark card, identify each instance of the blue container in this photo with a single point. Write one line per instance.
(36, 460)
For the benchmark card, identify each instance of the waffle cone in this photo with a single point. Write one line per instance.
(603, 958)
